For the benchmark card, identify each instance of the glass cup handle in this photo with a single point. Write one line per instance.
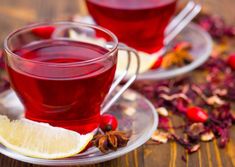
(112, 97)
(180, 21)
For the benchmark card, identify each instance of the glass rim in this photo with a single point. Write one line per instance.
(78, 24)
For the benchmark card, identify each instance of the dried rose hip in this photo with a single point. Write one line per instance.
(231, 61)
(108, 122)
(197, 114)
(44, 31)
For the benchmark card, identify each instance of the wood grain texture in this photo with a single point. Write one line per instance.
(14, 14)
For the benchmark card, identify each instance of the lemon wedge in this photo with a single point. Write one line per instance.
(40, 140)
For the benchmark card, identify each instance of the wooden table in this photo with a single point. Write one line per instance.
(14, 14)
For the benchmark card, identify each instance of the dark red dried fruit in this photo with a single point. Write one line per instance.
(197, 114)
(231, 61)
(44, 32)
(108, 122)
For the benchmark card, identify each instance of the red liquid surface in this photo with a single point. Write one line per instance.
(138, 23)
(68, 97)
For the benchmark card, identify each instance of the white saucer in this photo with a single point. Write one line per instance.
(133, 111)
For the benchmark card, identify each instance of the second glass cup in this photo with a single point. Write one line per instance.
(59, 80)
(143, 24)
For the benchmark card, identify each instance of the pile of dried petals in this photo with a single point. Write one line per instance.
(213, 91)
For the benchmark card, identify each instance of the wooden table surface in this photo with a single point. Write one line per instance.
(14, 14)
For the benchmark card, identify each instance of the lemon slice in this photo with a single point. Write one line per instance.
(146, 62)
(41, 140)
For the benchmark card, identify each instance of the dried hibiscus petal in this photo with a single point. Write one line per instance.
(195, 129)
(193, 148)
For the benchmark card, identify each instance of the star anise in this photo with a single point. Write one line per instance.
(111, 140)
(177, 58)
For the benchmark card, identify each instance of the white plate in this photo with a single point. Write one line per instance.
(133, 111)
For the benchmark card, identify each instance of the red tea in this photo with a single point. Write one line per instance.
(63, 97)
(138, 23)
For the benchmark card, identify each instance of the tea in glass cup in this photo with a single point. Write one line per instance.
(59, 80)
(137, 23)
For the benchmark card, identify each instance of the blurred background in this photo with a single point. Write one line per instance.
(16, 13)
